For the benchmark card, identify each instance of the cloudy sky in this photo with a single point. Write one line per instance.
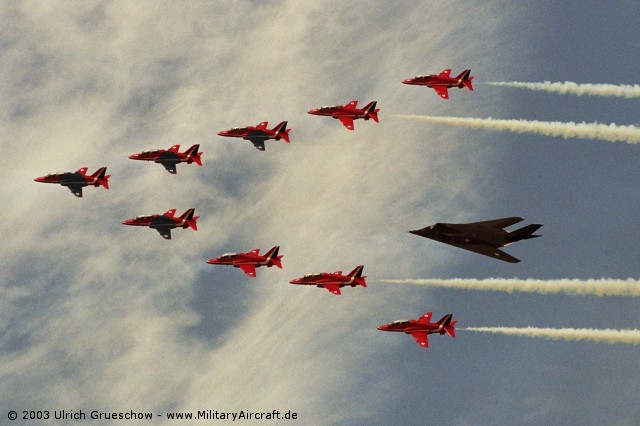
(98, 316)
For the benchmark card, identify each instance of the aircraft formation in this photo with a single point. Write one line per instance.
(480, 237)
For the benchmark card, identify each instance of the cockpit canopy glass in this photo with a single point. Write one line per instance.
(312, 275)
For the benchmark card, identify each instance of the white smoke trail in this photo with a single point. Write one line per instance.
(571, 88)
(630, 337)
(596, 287)
(606, 132)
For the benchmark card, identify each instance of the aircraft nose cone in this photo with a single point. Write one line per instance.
(127, 221)
(222, 133)
(295, 281)
(312, 111)
(407, 81)
(39, 179)
(382, 327)
(212, 261)
(134, 156)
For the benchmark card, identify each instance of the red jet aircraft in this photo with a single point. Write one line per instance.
(171, 157)
(420, 328)
(443, 81)
(333, 281)
(164, 223)
(248, 262)
(258, 134)
(349, 112)
(75, 181)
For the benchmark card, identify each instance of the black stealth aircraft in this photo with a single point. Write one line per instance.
(481, 237)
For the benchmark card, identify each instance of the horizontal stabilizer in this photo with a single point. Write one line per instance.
(274, 257)
(371, 111)
(101, 177)
(194, 154)
(450, 330)
(524, 233)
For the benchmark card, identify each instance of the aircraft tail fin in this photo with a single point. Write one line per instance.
(357, 275)
(447, 325)
(465, 79)
(445, 320)
(524, 233)
(101, 177)
(190, 219)
(194, 154)
(371, 111)
(282, 131)
(273, 256)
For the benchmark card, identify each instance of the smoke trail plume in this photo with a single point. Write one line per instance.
(606, 132)
(571, 88)
(629, 337)
(596, 287)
